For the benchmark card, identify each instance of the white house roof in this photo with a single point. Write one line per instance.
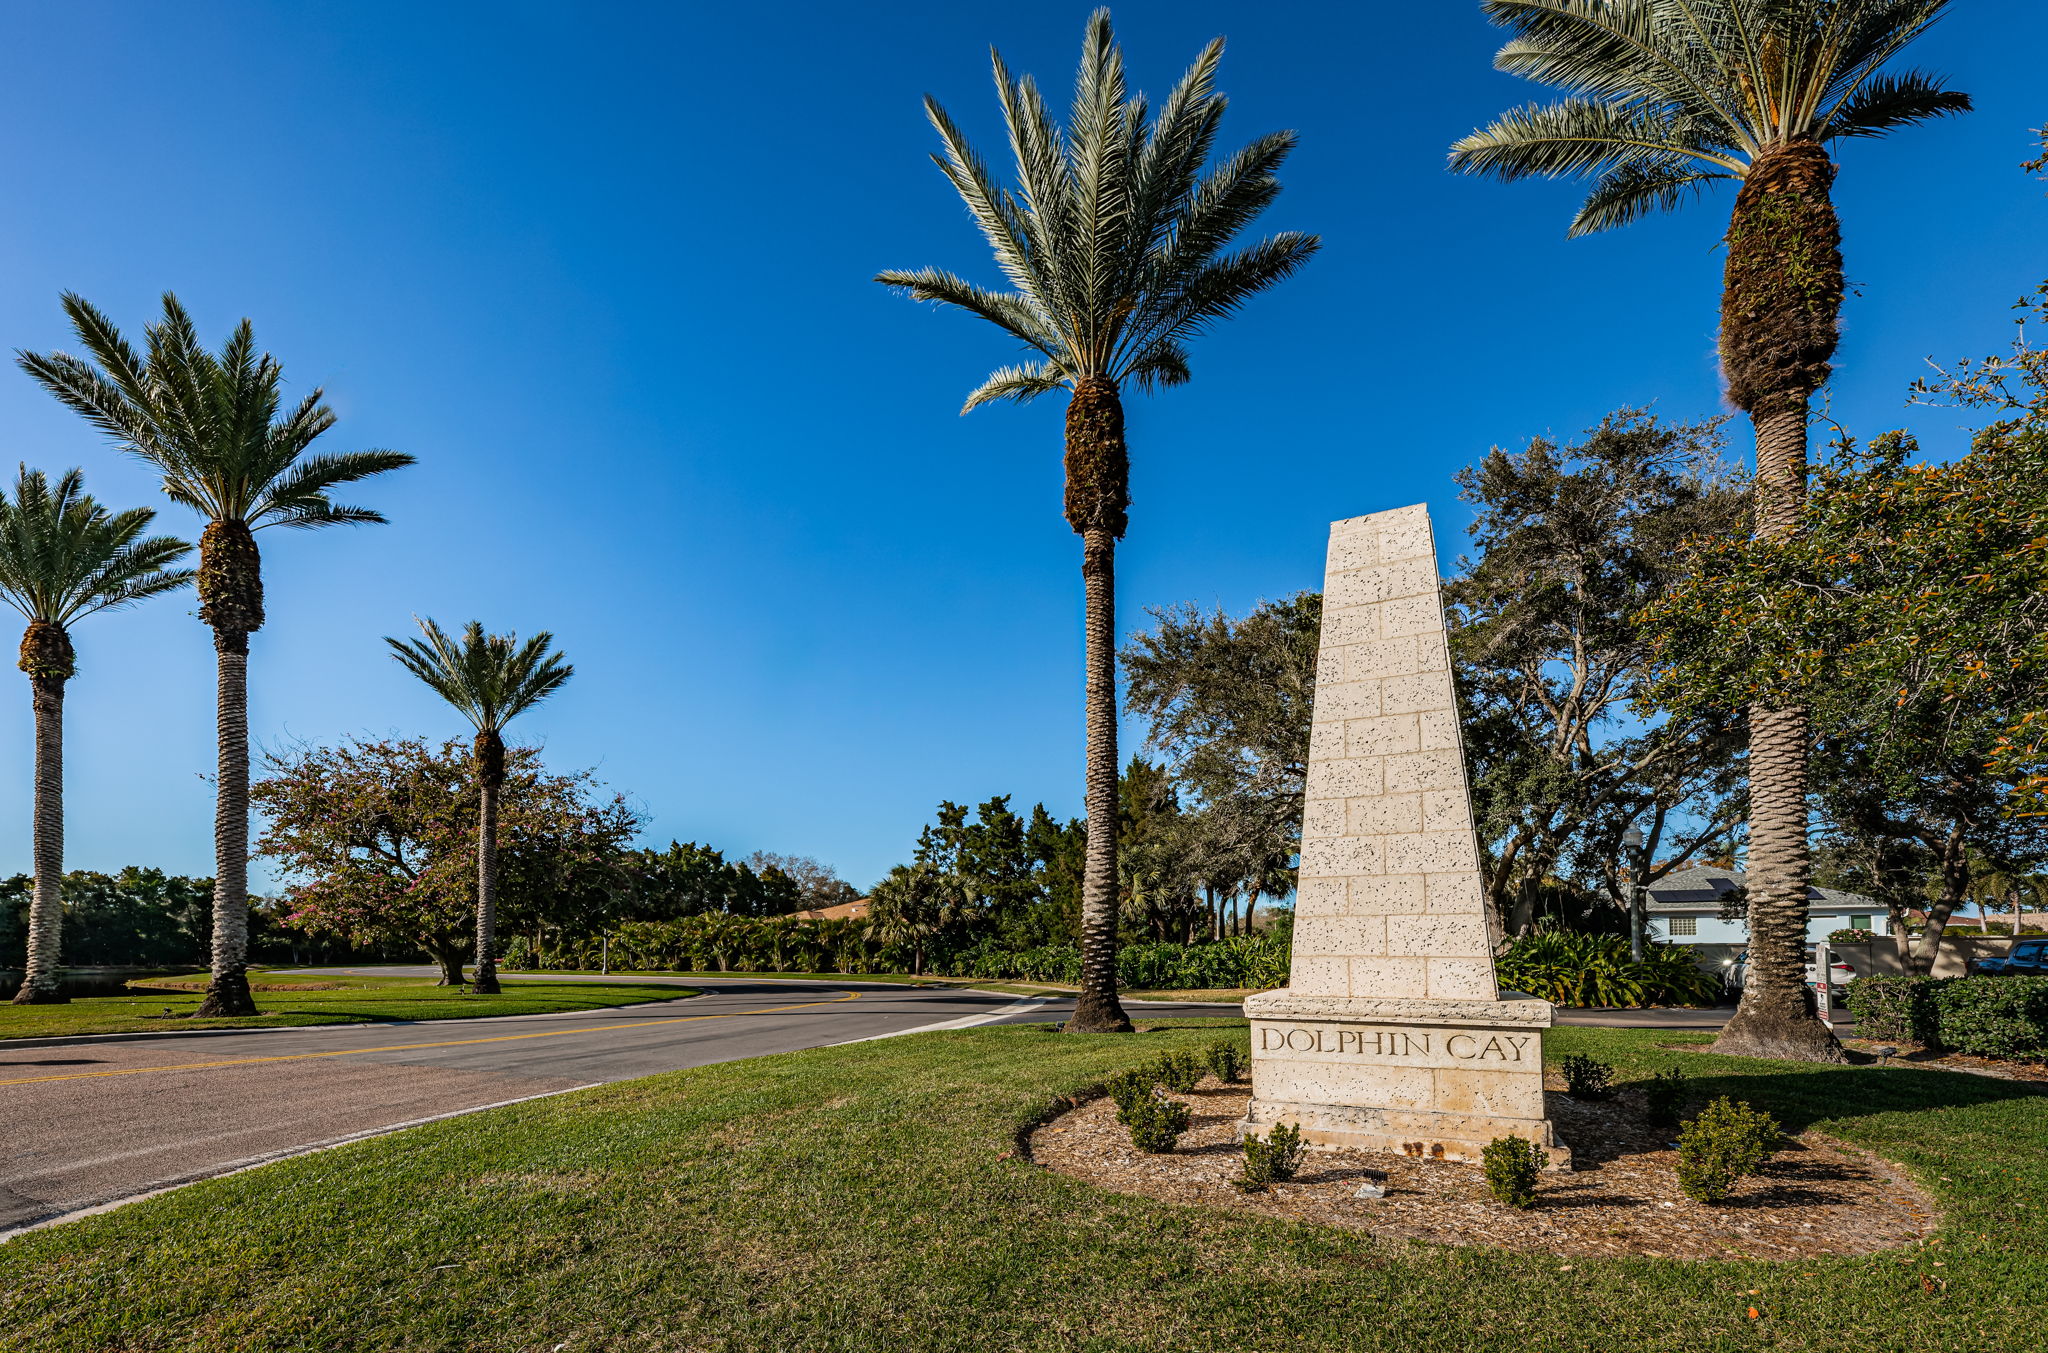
(1701, 887)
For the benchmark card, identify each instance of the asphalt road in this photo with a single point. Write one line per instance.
(89, 1122)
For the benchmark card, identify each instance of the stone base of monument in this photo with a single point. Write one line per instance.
(1420, 1077)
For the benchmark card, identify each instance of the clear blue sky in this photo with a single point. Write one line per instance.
(604, 270)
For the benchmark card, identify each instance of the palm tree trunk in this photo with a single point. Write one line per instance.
(1097, 498)
(41, 982)
(1781, 306)
(1096, 1009)
(228, 992)
(486, 981)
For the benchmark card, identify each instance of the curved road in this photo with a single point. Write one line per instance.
(90, 1122)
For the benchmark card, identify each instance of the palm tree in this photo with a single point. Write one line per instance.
(491, 679)
(1114, 246)
(63, 557)
(910, 906)
(1668, 96)
(216, 427)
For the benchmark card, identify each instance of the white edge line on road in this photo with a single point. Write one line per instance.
(964, 1022)
(247, 1163)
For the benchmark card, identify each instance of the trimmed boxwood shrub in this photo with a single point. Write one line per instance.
(1895, 1005)
(1727, 1141)
(1993, 1016)
(1511, 1166)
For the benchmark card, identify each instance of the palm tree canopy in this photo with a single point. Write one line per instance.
(64, 556)
(1114, 241)
(490, 678)
(1669, 95)
(215, 424)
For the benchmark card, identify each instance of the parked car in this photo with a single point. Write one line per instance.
(1840, 974)
(2028, 958)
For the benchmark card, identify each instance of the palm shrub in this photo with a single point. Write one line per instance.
(1664, 98)
(1567, 967)
(64, 557)
(216, 426)
(490, 679)
(1114, 244)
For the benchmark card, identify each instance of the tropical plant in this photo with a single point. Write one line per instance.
(491, 679)
(1114, 244)
(911, 905)
(1566, 967)
(216, 427)
(1666, 97)
(63, 557)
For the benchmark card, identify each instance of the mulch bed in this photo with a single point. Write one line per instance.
(1912, 1054)
(1621, 1198)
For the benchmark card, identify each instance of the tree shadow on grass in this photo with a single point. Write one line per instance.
(1800, 1095)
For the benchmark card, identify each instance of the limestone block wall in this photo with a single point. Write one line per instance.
(1389, 903)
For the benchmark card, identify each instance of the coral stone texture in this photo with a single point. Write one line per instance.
(1392, 1034)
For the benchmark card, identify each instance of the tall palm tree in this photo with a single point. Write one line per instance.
(1668, 96)
(491, 679)
(216, 427)
(62, 558)
(1114, 244)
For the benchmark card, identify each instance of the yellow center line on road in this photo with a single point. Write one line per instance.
(407, 1047)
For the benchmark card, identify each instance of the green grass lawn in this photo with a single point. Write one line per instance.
(863, 1198)
(359, 1000)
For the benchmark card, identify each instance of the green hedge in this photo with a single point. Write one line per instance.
(1894, 1005)
(1983, 1016)
(1994, 1016)
(1239, 961)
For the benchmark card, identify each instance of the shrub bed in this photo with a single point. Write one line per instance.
(1993, 1016)
(1895, 1005)
(1983, 1016)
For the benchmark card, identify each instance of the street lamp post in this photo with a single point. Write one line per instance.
(1632, 842)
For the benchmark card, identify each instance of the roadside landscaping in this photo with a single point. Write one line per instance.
(871, 1197)
(288, 999)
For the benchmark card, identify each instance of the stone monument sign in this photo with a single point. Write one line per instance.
(1392, 1034)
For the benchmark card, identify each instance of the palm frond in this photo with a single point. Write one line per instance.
(64, 556)
(298, 497)
(213, 424)
(1634, 191)
(1019, 384)
(1007, 310)
(1889, 101)
(1113, 236)
(1625, 51)
(490, 679)
(1666, 95)
(1582, 136)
